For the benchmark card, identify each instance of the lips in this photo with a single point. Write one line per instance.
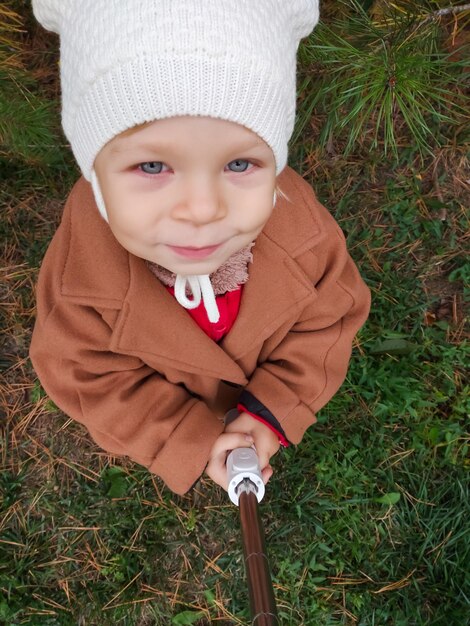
(194, 253)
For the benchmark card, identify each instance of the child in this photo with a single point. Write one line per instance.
(183, 309)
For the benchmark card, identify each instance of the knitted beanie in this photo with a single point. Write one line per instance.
(126, 62)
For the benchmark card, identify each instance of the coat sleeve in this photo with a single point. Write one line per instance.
(127, 407)
(307, 368)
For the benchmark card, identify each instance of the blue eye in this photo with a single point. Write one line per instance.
(154, 167)
(240, 165)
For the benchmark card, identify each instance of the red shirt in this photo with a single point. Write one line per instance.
(228, 305)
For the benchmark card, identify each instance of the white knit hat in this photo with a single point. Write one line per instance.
(126, 62)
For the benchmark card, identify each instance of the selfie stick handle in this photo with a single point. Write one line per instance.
(246, 489)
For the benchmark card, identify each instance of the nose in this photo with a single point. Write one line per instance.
(201, 203)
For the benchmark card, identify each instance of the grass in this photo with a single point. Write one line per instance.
(366, 520)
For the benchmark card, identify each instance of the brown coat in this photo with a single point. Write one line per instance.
(116, 351)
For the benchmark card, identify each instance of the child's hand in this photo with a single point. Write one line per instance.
(216, 468)
(242, 433)
(265, 440)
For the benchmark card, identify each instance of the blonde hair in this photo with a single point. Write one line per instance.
(279, 192)
(133, 129)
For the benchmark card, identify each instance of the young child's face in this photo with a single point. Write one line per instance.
(187, 182)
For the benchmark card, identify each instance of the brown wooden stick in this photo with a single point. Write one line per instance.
(262, 602)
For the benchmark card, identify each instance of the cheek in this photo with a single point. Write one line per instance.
(129, 214)
(256, 218)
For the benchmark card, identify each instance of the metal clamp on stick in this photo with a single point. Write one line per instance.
(246, 489)
(243, 463)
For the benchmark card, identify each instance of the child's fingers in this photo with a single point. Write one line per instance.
(216, 468)
(266, 473)
(265, 451)
(266, 441)
(263, 456)
(229, 441)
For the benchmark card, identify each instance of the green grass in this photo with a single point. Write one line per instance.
(366, 520)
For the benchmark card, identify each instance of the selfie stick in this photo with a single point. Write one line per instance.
(246, 489)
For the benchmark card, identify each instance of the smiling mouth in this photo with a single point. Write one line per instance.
(194, 253)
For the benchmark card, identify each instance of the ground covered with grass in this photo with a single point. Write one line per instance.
(366, 521)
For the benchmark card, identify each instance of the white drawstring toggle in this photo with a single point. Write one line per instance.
(201, 287)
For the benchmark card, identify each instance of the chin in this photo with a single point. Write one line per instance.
(188, 269)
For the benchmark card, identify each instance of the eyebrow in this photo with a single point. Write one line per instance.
(117, 149)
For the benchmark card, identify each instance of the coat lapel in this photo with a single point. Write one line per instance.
(276, 291)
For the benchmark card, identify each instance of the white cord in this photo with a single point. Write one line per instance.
(201, 287)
